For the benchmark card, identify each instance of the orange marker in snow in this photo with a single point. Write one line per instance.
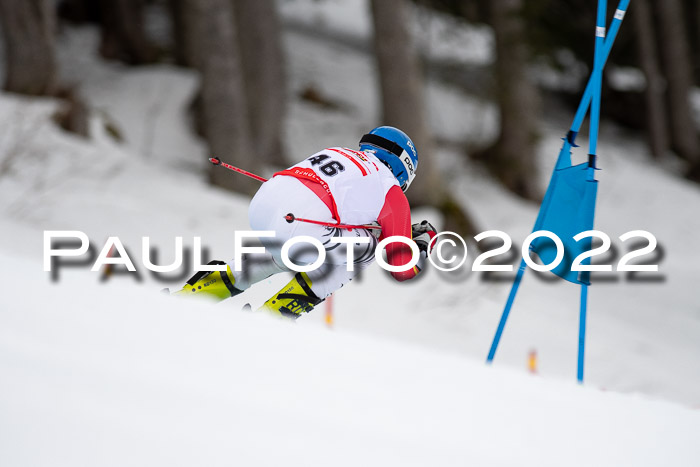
(329, 311)
(532, 361)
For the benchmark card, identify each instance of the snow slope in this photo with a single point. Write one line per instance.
(121, 376)
(124, 373)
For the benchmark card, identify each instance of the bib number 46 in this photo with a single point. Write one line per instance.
(330, 168)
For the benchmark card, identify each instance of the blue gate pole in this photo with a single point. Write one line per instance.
(506, 311)
(582, 333)
(597, 77)
(607, 46)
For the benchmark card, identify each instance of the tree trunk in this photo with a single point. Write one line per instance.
(223, 107)
(697, 43)
(645, 42)
(123, 34)
(512, 158)
(182, 30)
(403, 106)
(29, 46)
(79, 11)
(262, 57)
(676, 61)
(401, 88)
(695, 26)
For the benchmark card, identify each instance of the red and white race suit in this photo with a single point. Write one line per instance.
(335, 185)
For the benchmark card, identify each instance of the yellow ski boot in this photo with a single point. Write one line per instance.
(294, 299)
(215, 285)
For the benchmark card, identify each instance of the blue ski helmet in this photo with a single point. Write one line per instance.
(395, 149)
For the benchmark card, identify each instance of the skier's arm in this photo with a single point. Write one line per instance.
(395, 219)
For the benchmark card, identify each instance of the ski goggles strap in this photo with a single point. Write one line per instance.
(383, 143)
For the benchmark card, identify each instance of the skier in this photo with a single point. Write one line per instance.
(336, 185)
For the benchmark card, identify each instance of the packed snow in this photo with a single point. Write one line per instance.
(117, 375)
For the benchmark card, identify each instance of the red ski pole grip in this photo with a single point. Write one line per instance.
(215, 160)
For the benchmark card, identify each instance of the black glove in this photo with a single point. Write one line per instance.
(423, 233)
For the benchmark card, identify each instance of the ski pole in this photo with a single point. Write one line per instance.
(220, 163)
(290, 217)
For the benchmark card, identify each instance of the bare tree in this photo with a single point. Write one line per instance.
(123, 34)
(694, 6)
(264, 75)
(645, 41)
(403, 106)
(512, 158)
(676, 60)
(29, 46)
(183, 28)
(223, 111)
(401, 85)
(697, 42)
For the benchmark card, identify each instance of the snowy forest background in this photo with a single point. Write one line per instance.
(540, 52)
(108, 113)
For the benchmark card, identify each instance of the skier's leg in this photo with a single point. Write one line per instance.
(264, 215)
(308, 289)
(214, 285)
(295, 298)
(255, 268)
(274, 200)
(220, 285)
(326, 280)
(334, 273)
